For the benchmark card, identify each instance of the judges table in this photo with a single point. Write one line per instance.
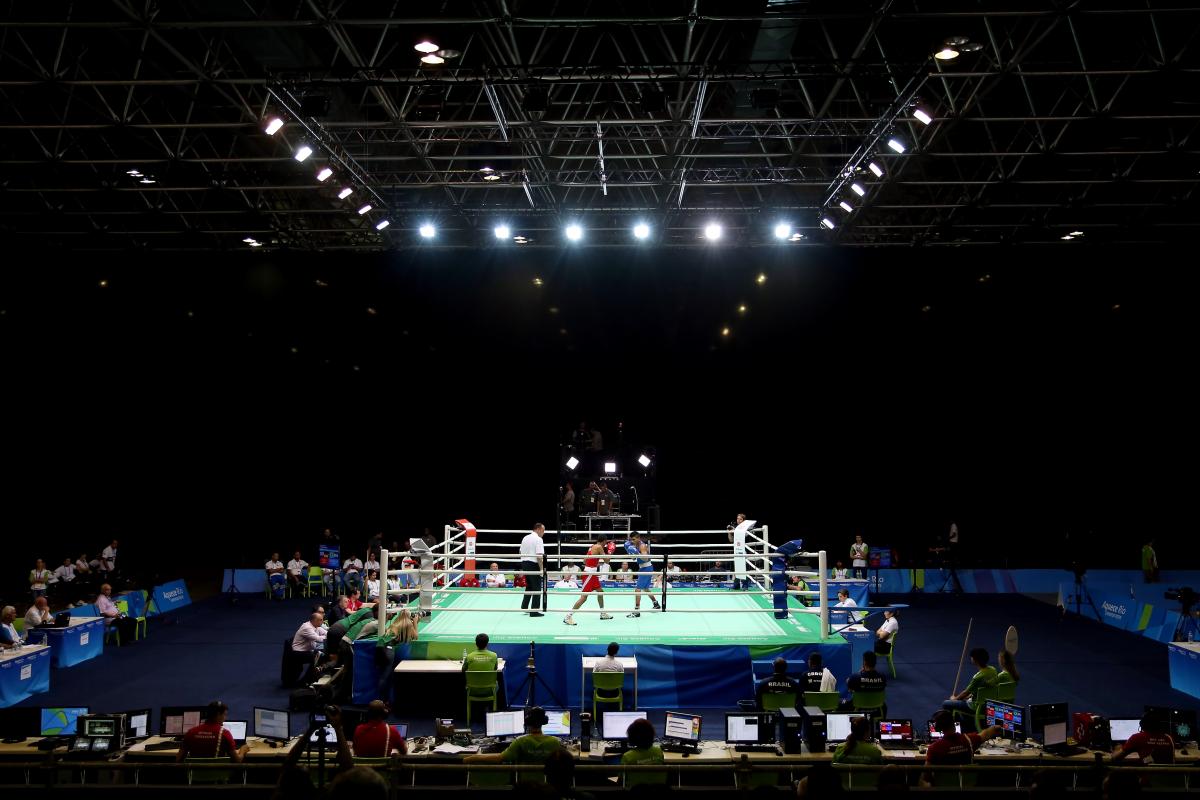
(425, 685)
(80, 641)
(24, 673)
(1183, 658)
(589, 663)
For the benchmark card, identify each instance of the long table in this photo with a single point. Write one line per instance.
(82, 640)
(24, 673)
(439, 674)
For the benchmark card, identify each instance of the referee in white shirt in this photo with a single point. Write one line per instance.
(532, 553)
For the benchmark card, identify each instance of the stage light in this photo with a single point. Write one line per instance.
(325, 174)
(383, 223)
(426, 46)
(303, 152)
(610, 468)
(1077, 233)
(273, 126)
(896, 145)
(712, 231)
(133, 172)
(427, 231)
(946, 54)
(249, 239)
(364, 209)
(742, 309)
(486, 168)
(922, 116)
(502, 231)
(256, 244)
(725, 331)
(491, 176)
(641, 231)
(828, 223)
(344, 193)
(146, 180)
(574, 232)
(875, 169)
(858, 189)
(761, 279)
(572, 462)
(432, 59)
(783, 230)
(846, 206)
(644, 460)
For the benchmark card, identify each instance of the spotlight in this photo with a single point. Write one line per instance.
(502, 231)
(858, 189)
(364, 209)
(256, 244)
(426, 46)
(610, 468)
(1077, 233)
(572, 462)
(742, 309)
(761, 279)
(644, 460)
(828, 223)
(846, 206)
(491, 176)
(896, 145)
(146, 180)
(946, 54)
(876, 170)
(344, 193)
(325, 174)
(922, 116)
(304, 152)
(783, 230)
(641, 231)
(574, 232)
(273, 126)
(725, 331)
(135, 173)
(427, 231)
(486, 168)
(383, 223)
(432, 59)
(249, 239)
(712, 231)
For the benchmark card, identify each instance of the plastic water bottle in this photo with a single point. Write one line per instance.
(464, 655)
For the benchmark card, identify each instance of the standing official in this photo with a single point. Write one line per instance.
(737, 535)
(533, 551)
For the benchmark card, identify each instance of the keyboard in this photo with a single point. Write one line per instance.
(155, 746)
(756, 748)
(1065, 750)
(679, 748)
(49, 744)
(898, 744)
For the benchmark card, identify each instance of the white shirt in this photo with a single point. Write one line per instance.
(609, 664)
(353, 565)
(33, 617)
(82, 565)
(297, 567)
(605, 568)
(859, 554)
(570, 572)
(890, 626)
(840, 574)
(674, 569)
(371, 565)
(372, 588)
(624, 575)
(270, 565)
(12, 633)
(848, 603)
(65, 573)
(828, 682)
(494, 580)
(308, 638)
(108, 558)
(532, 547)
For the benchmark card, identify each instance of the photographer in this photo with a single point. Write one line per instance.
(294, 780)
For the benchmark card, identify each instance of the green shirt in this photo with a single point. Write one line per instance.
(1004, 677)
(1148, 559)
(357, 621)
(863, 753)
(532, 748)
(480, 660)
(984, 678)
(643, 756)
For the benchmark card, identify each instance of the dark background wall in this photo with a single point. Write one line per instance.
(207, 409)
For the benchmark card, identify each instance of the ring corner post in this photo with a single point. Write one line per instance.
(385, 569)
(823, 582)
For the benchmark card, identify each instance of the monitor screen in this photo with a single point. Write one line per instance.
(1009, 718)
(24, 722)
(329, 556)
(935, 734)
(402, 729)
(616, 723)
(1043, 714)
(559, 724)
(104, 726)
(331, 735)
(1183, 724)
(272, 723)
(682, 727)
(505, 723)
(837, 727)
(1122, 730)
(137, 723)
(60, 721)
(895, 730)
(750, 728)
(236, 728)
(1054, 733)
(178, 720)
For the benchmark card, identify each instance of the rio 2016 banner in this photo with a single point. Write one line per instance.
(170, 596)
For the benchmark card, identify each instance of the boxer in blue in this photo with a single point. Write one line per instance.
(640, 550)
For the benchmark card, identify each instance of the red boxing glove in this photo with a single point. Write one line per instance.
(610, 547)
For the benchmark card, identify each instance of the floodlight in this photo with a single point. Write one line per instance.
(572, 462)
(502, 231)
(574, 232)
(644, 460)
(858, 189)
(364, 209)
(783, 230)
(324, 174)
(610, 468)
(946, 54)
(875, 169)
(712, 231)
(922, 116)
(641, 230)
(273, 126)
(828, 223)
(344, 193)
(425, 46)
(845, 206)
(383, 223)
(303, 152)
(427, 231)
(896, 145)
(432, 59)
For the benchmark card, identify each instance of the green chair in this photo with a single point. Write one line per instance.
(979, 702)
(489, 777)
(891, 653)
(773, 701)
(826, 701)
(950, 779)
(1005, 692)
(611, 682)
(482, 686)
(206, 776)
(868, 701)
(316, 578)
(644, 777)
(19, 625)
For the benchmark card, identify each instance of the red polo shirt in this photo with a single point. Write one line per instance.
(208, 740)
(953, 748)
(377, 740)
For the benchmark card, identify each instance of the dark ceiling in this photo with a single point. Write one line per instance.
(1071, 118)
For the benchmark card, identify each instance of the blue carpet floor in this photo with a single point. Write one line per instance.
(217, 650)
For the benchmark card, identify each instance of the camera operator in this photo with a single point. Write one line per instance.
(295, 780)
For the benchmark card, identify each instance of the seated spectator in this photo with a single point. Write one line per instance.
(38, 614)
(985, 677)
(605, 571)
(818, 678)
(372, 586)
(820, 782)
(720, 572)
(481, 658)
(375, 738)
(1008, 669)
(839, 572)
(39, 577)
(276, 580)
(353, 601)
(559, 770)
(532, 748)
(9, 638)
(867, 680)
(1152, 744)
(210, 740)
(310, 637)
(566, 581)
(673, 569)
(624, 574)
(953, 748)
(642, 749)
(495, 578)
(83, 567)
(65, 573)
(858, 747)
(352, 572)
(297, 572)
(883, 636)
(777, 683)
(113, 616)
(571, 573)
(340, 610)
(892, 778)
(372, 562)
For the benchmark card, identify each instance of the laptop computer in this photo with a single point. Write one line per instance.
(1121, 730)
(62, 619)
(237, 729)
(896, 734)
(1054, 740)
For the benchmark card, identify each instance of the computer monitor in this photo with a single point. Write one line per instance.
(1043, 714)
(1162, 713)
(895, 730)
(99, 726)
(682, 728)
(1183, 724)
(60, 721)
(616, 723)
(750, 728)
(402, 729)
(329, 556)
(505, 723)
(20, 723)
(1054, 733)
(935, 734)
(1122, 730)
(236, 728)
(837, 727)
(178, 720)
(559, 723)
(272, 723)
(1009, 718)
(137, 723)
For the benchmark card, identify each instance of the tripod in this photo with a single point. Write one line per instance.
(531, 680)
(233, 590)
(951, 581)
(1081, 594)
(1188, 628)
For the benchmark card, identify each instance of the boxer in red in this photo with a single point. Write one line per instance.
(591, 580)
